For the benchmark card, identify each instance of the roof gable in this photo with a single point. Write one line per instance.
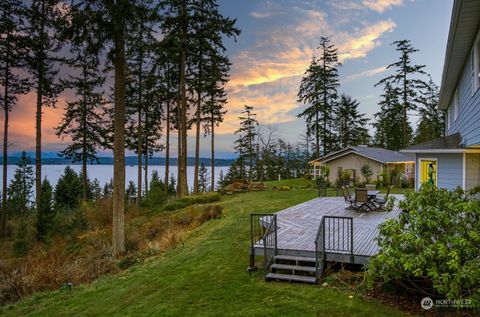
(376, 154)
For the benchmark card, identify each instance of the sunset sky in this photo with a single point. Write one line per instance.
(276, 46)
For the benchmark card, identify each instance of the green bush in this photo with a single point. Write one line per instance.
(191, 200)
(433, 247)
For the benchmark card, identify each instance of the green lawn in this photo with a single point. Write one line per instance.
(205, 277)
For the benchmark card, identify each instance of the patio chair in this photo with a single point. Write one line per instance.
(348, 198)
(361, 201)
(381, 201)
(370, 186)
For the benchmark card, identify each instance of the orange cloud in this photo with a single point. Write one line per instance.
(381, 5)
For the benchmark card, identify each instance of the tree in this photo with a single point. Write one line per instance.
(367, 172)
(20, 188)
(389, 121)
(131, 190)
(406, 84)
(350, 123)
(83, 119)
(46, 213)
(318, 90)
(245, 144)
(432, 120)
(68, 191)
(203, 183)
(44, 18)
(11, 53)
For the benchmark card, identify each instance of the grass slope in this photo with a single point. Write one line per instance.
(205, 277)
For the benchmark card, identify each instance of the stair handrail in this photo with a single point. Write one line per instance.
(319, 248)
(270, 247)
(260, 225)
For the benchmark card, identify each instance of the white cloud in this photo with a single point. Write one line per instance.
(367, 73)
(381, 5)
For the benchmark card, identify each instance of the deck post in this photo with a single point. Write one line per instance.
(352, 258)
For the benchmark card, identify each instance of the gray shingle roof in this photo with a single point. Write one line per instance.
(449, 142)
(377, 154)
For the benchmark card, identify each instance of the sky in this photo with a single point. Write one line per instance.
(278, 40)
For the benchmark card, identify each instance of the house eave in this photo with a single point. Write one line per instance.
(440, 151)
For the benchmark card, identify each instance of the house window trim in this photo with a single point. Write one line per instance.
(476, 64)
(456, 105)
(419, 166)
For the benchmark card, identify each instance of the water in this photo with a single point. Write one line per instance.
(104, 173)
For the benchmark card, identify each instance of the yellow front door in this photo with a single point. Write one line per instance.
(428, 172)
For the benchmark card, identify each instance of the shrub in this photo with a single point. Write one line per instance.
(367, 172)
(191, 200)
(433, 247)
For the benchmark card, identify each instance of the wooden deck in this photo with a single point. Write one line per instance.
(298, 226)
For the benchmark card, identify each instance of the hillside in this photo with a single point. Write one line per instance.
(206, 276)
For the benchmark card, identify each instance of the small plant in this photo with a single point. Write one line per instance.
(367, 172)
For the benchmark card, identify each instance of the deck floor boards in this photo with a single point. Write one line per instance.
(298, 225)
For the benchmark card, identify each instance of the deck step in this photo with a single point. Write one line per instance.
(294, 268)
(294, 258)
(291, 278)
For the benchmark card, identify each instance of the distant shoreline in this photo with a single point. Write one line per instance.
(129, 160)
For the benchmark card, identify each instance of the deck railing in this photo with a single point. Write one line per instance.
(335, 234)
(263, 231)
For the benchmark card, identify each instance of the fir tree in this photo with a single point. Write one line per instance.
(131, 190)
(221, 181)
(20, 188)
(389, 121)
(407, 84)
(108, 189)
(432, 120)
(245, 144)
(203, 182)
(318, 90)
(83, 120)
(68, 191)
(46, 213)
(11, 53)
(45, 18)
(350, 123)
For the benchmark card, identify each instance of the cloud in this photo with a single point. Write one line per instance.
(262, 15)
(381, 5)
(267, 74)
(376, 5)
(367, 73)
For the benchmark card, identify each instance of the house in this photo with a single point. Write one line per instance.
(454, 160)
(353, 158)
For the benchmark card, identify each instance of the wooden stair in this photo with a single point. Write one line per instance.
(292, 269)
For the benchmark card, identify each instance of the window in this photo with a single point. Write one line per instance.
(455, 105)
(449, 117)
(476, 62)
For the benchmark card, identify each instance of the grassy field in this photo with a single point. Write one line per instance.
(205, 277)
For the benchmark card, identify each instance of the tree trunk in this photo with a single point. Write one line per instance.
(84, 141)
(139, 134)
(146, 172)
(213, 152)
(118, 233)
(167, 148)
(404, 143)
(197, 142)
(3, 218)
(182, 177)
(179, 146)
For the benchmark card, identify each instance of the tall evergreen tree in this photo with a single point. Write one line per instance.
(432, 120)
(203, 182)
(245, 144)
(11, 52)
(389, 121)
(83, 120)
(407, 83)
(46, 213)
(318, 90)
(44, 17)
(140, 39)
(20, 188)
(108, 21)
(350, 123)
(68, 191)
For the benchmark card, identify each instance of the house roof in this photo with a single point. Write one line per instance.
(447, 143)
(464, 27)
(377, 154)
